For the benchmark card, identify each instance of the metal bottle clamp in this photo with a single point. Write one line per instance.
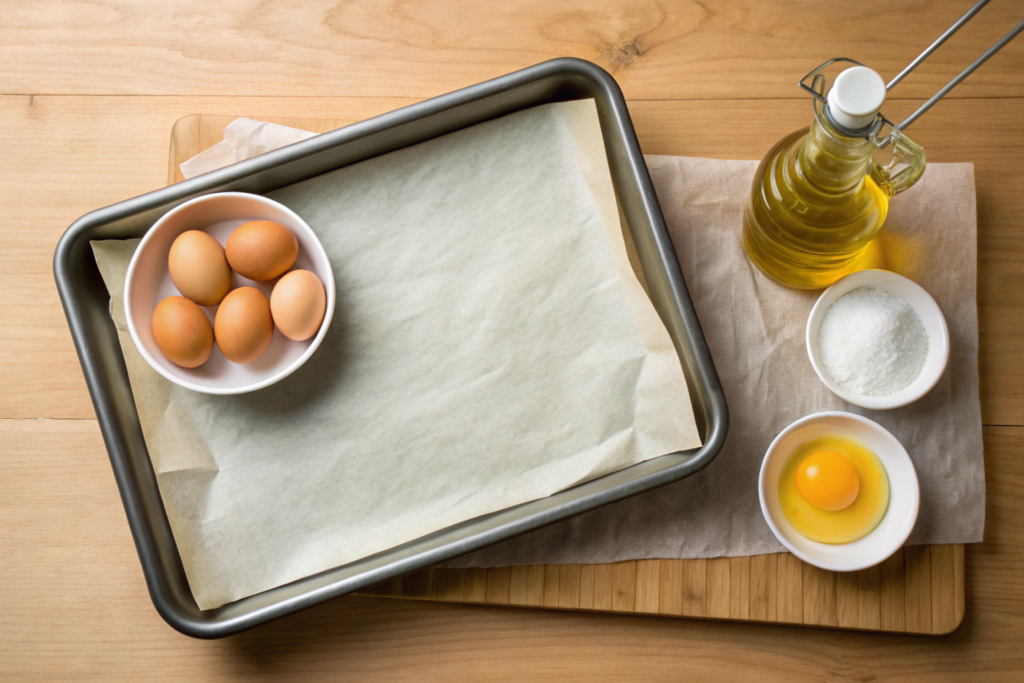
(817, 86)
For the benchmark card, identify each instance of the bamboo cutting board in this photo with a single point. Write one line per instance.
(918, 590)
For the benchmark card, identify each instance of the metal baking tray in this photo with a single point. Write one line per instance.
(85, 301)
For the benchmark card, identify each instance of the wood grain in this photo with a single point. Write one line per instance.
(451, 585)
(917, 595)
(819, 601)
(695, 589)
(624, 586)
(892, 602)
(671, 593)
(420, 585)
(476, 585)
(869, 598)
(569, 586)
(587, 578)
(764, 588)
(739, 588)
(499, 586)
(657, 50)
(718, 598)
(848, 599)
(551, 585)
(943, 593)
(74, 606)
(648, 586)
(604, 586)
(791, 589)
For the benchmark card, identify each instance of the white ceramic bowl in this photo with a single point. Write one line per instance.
(149, 282)
(904, 492)
(927, 310)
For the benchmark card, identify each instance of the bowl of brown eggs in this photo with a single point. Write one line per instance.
(229, 293)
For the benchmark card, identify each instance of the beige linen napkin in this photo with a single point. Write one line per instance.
(755, 329)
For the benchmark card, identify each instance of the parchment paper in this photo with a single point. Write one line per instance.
(755, 330)
(243, 139)
(490, 346)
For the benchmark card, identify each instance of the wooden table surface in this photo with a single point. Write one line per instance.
(88, 94)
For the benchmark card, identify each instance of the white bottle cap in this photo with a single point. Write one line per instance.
(855, 98)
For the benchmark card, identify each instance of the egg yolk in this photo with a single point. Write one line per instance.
(818, 474)
(828, 481)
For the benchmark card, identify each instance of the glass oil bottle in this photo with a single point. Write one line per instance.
(819, 196)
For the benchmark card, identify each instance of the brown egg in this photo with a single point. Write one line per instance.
(243, 325)
(182, 331)
(298, 303)
(262, 250)
(198, 268)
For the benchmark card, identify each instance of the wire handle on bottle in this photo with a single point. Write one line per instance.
(816, 89)
(906, 164)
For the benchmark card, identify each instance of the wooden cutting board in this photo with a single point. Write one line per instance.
(918, 590)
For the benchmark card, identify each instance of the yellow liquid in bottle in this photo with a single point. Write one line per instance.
(814, 208)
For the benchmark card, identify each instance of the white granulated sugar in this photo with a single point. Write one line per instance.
(872, 342)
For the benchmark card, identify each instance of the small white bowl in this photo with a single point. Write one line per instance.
(927, 310)
(904, 492)
(149, 282)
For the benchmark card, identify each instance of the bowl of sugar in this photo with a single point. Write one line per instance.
(877, 340)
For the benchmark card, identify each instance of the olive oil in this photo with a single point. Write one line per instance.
(813, 209)
(819, 198)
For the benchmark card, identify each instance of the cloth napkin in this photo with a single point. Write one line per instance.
(755, 330)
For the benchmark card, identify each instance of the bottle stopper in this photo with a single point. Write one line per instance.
(856, 97)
